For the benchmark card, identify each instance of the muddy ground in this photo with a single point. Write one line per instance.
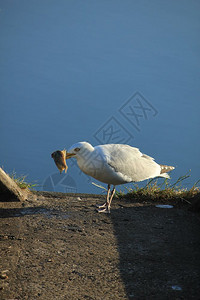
(58, 247)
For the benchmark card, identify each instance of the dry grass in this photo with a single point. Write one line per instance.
(21, 181)
(164, 191)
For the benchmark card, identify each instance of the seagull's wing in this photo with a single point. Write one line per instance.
(130, 162)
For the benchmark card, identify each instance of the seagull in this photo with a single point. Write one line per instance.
(115, 164)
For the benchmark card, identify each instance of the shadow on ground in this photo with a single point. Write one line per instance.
(159, 252)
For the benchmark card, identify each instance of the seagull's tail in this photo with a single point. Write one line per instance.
(164, 170)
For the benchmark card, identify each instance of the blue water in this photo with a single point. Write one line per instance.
(98, 71)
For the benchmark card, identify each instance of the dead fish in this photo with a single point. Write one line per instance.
(60, 160)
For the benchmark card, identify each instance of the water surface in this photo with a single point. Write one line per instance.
(72, 71)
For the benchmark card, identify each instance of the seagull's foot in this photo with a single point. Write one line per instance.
(105, 210)
(102, 206)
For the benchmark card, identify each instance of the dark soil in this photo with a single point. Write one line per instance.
(58, 247)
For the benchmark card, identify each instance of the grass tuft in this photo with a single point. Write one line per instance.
(21, 182)
(163, 191)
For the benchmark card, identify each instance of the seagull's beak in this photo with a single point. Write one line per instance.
(69, 155)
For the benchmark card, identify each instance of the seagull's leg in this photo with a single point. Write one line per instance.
(105, 205)
(111, 197)
(106, 208)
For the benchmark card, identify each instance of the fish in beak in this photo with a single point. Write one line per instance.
(59, 158)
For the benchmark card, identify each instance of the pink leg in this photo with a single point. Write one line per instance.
(105, 208)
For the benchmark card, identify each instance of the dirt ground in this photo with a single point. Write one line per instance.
(58, 247)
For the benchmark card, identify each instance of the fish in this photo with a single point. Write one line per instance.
(59, 158)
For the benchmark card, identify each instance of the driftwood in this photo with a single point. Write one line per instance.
(9, 190)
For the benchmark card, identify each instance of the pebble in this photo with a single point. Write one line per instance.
(3, 276)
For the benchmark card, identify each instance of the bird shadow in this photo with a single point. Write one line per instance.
(149, 243)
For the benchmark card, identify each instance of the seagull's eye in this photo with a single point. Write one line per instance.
(77, 149)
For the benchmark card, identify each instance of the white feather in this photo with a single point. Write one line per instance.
(115, 163)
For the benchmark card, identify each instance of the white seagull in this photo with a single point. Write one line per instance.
(115, 164)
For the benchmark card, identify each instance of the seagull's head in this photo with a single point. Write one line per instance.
(79, 150)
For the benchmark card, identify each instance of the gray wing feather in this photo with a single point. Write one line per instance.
(130, 162)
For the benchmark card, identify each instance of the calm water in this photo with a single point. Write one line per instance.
(99, 71)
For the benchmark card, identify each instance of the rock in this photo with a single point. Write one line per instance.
(9, 190)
